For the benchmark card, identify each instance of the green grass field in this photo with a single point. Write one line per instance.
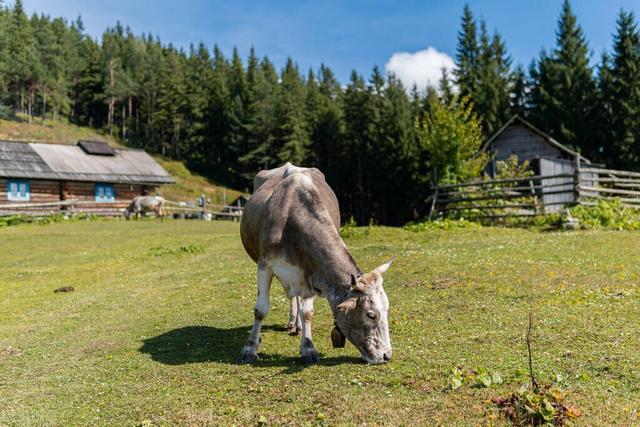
(160, 312)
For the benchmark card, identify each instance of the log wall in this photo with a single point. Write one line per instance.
(45, 191)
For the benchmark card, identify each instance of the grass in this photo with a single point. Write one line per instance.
(51, 131)
(160, 312)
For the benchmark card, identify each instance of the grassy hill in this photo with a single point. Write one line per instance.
(188, 185)
(52, 131)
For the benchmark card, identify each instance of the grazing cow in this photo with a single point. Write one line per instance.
(142, 204)
(291, 228)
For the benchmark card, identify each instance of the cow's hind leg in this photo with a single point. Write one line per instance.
(249, 352)
(294, 326)
(308, 352)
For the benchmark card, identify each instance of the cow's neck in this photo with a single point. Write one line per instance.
(334, 266)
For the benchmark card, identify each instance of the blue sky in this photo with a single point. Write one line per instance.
(345, 35)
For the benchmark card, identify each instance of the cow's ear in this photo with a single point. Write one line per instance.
(384, 267)
(347, 305)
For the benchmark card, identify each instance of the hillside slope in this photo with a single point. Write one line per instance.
(188, 186)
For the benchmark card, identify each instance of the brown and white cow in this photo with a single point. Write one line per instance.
(142, 204)
(290, 228)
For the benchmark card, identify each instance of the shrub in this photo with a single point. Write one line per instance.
(43, 220)
(607, 214)
(351, 229)
(440, 224)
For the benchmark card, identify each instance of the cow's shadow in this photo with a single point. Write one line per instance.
(206, 344)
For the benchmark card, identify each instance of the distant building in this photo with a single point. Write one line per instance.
(521, 138)
(103, 178)
(545, 155)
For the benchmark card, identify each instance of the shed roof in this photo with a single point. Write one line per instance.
(537, 131)
(72, 163)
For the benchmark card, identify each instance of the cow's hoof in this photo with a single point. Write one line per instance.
(311, 358)
(293, 329)
(247, 359)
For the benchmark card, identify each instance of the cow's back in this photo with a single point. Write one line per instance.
(289, 197)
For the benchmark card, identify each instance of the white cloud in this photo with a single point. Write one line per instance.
(422, 68)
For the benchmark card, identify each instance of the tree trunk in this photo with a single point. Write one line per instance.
(176, 140)
(44, 104)
(112, 102)
(31, 99)
(124, 125)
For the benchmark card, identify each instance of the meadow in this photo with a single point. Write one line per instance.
(160, 312)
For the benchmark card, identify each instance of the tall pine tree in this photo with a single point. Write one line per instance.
(563, 88)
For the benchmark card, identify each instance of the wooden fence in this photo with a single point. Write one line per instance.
(609, 184)
(535, 195)
(204, 210)
(71, 207)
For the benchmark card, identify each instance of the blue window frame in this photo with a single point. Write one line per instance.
(18, 190)
(105, 193)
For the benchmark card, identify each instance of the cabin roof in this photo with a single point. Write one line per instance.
(537, 131)
(73, 163)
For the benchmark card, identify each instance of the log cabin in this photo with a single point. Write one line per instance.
(101, 178)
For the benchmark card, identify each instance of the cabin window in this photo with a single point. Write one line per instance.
(105, 193)
(18, 190)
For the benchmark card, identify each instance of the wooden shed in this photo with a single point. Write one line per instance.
(521, 138)
(100, 177)
(545, 155)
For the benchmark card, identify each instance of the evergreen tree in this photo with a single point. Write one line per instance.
(262, 124)
(620, 85)
(198, 76)
(327, 133)
(492, 97)
(292, 136)
(563, 89)
(467, 55)
(519, 94)
(23, 65)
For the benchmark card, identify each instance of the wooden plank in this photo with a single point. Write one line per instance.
(499, 197)
(38, 205)
(483, 207)
(619, 180)
(530, 215)
(526, 189)
(501, 181)
(611, 171)
(609, 190)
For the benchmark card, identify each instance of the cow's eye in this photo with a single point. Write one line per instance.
(371, 315)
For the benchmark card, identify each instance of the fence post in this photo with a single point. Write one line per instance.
(433, 204)
(577, 180)
(536, 206)
(203, 199)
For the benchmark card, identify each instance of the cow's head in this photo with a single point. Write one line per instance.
(362, 317)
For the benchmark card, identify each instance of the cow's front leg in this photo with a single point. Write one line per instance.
(307, 350)
(294, 326)
(249, 352)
